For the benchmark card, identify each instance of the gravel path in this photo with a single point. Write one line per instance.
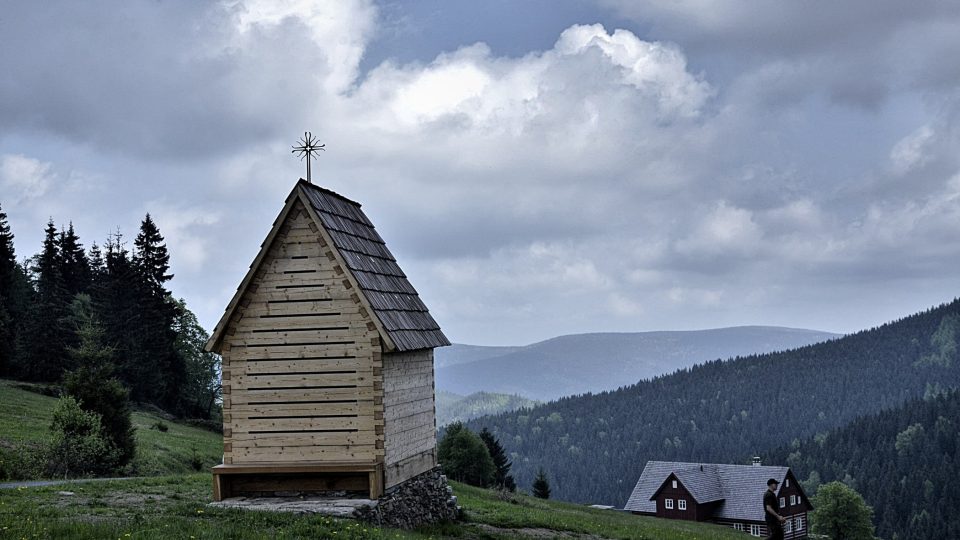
(41, 483)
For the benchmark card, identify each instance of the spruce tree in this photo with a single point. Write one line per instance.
(541, 486)
(8, 263)
(501, 477)
(44, 354)
(119, 307)
(156, 335)
(93, 385)
(74, 266)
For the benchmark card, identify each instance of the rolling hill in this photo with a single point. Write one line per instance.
(457, 408)
(580, 363)
(595, 446)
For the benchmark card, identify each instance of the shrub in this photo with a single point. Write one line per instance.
(161, 426)
(78, 446)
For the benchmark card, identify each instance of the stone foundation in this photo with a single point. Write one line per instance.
(423, 499)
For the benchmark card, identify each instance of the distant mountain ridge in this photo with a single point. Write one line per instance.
(581, 363)
(456, 408)
(594, 447)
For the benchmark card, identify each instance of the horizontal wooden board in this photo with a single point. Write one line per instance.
(318, 335)
(245, 382)
(396, 412)
(293, 249)
(398, 453)
(419, 368)
(304, 351)
(359, 408)
(316, 364)
(292, 440)
(409, 422)
(244, 397)
(273, 294)
(260, 309)
(246, 425)
(411, 382)
(252, 321)
(304, 453)
(394, 398)
(287, 264)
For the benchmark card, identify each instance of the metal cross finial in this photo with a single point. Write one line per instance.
(308, 147)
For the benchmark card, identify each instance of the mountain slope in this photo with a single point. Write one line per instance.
(457, 408)
(581, 363)
(904, 461)
(595, 446)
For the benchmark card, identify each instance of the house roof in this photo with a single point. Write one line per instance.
(399, 312)
(739, 487)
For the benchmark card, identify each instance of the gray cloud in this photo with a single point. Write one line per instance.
(761, 163)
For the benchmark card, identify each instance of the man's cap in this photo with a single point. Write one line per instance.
(772, 482)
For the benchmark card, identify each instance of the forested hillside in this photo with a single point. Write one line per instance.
(581, 363)
(594, 447)
(903, 461)
(105, 309)
(456, 408)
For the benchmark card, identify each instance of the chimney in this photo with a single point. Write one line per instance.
(756, 461)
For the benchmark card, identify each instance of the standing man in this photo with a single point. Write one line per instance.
(774, 519)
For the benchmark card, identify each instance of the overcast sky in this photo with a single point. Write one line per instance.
(538, 168)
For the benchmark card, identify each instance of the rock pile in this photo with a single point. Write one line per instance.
(423, 499)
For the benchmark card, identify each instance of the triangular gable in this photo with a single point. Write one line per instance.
(401, 318)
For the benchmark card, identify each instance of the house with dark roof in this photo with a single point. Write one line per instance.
(327, 359)
(730, 495)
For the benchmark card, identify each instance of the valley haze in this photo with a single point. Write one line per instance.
(596, 362)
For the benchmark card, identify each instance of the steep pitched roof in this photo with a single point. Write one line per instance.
(403, 319)
(394, 300)
(741, 486)
(702, 482)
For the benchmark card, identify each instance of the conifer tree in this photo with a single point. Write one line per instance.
(8, 263)
(44, 354)
(541, 486)
(74, 266)
(156, 335)
(118, 306)
(93, 385)
(501, 477)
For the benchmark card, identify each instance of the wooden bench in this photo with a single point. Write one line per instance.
(229, 480)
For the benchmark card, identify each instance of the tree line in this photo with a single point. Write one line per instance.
(904, 461)
(596, 445)
(104, 313)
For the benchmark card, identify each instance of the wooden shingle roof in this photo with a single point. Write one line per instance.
(395, 302)
(402, 318)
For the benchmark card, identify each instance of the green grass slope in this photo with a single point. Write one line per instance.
(25, 419)
(176, 507)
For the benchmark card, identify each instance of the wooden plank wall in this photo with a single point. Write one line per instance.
(410, 424)
(302, 366)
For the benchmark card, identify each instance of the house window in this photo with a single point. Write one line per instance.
(783, 502)
(788, 526)
(793, 500)
(668, 504)
(754, 530)
(786, 483)
(682, 504)
(738, 526)
(674, 484)
(799, 521)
